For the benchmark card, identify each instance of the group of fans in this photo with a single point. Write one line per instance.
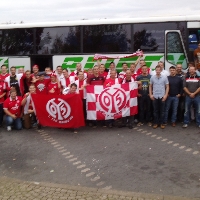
(161, 93)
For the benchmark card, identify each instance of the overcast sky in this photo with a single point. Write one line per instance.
(61, 10)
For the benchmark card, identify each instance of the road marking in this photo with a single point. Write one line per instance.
(66, 153)
(144, 131)
(188, 149)
(107, 187)
(63, 150)
(54, 143)
(158, 138)
(60, 148)
(149, 133)
(100, 183)
(70, 156)
(164, 140)
(182, 147)
(170, 142)
(76, 163)
(80, 166)
(85, 170)
(73, 159)
(90, 174)
(195, 152)
(57, 145)
(135, 128)
(153, 135)
(95, 178)
(176, 144)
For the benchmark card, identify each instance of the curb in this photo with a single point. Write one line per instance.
(140, 196)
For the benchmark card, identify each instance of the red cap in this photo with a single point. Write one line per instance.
(36, 66)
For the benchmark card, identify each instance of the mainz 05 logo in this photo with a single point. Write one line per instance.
(112, 100)
(59, 110)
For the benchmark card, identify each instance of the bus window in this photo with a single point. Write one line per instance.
(174, 50)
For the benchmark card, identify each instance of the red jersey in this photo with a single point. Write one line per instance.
(13, 106)
(41, 86)
(95, 80)
(104, 74)
(53, 86)
(139, 71)
(109, 82)
(2, 90)
(3, 76)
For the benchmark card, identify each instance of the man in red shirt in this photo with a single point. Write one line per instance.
(35, 70)
(102, 71)
(112, 80)
(54, 85)
(66, 80)
(13, 109)
(41, 84)
(133, 71)
(4, 73)
(142, 63)
(95, 79)
(2, 97)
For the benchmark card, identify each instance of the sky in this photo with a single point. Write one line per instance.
(15, 11)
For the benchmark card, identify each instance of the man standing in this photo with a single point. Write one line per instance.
(123, 72)
(13, 109)
(2, 98)
(4, 73)
(14, 81)
(144, 101)
(191, 86)
(158, 91)
(163, 71)
(54, 85)
(78, 69)
(142, 63)
(112, 80)
(175, 91)
(66, 80)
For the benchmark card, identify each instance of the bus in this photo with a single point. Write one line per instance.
(49, 44)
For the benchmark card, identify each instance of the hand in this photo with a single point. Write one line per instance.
(14, 116)
(52, 90)
(192, 95)
(30, 111)
(164, 98)
(139, 95)
(152, 97)
(27, 94)
(178, 95)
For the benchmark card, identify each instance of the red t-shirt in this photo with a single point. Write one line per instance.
(3, 76)
(13, 106)
(53, 86)
(139, 71)
(110, 81)
(104, 74)
(95, 80)
(2, 90)
(41, 86)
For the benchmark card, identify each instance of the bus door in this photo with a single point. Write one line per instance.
(175, 52)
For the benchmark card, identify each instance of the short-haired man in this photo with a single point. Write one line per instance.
(191, 86)
(163, 71)
(144, 101)
(122, 74)
(66, 80)
(158, 91)
(175, 91)
(13, 109)
(112, 80)
(59, 73)
(4, 72)
(54, 85)
(14, 81)
(78, 69)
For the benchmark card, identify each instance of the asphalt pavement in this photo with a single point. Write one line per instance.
(142, 159)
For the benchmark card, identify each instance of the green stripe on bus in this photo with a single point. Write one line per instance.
(153, 58)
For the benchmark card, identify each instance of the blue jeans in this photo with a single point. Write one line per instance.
(16, 122)
(174, 102)
(158, 111)
(196, 103)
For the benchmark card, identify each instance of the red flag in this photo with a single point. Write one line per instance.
(119, 100)
(65, 111)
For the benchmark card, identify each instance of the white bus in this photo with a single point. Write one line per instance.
(168, 39)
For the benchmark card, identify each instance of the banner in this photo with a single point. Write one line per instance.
(113, 102)
(63, 111)
(100, 56)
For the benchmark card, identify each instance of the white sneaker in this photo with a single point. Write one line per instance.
(9, 128)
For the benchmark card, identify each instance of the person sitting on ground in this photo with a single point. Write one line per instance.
(13, 109)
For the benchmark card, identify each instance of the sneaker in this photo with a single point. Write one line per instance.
(149, 124)
(185, 126)
(199, 126)
(162, 126)
(9, 128)
(140, 124)
(173, 124)
(155, 126)
(75, 131)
